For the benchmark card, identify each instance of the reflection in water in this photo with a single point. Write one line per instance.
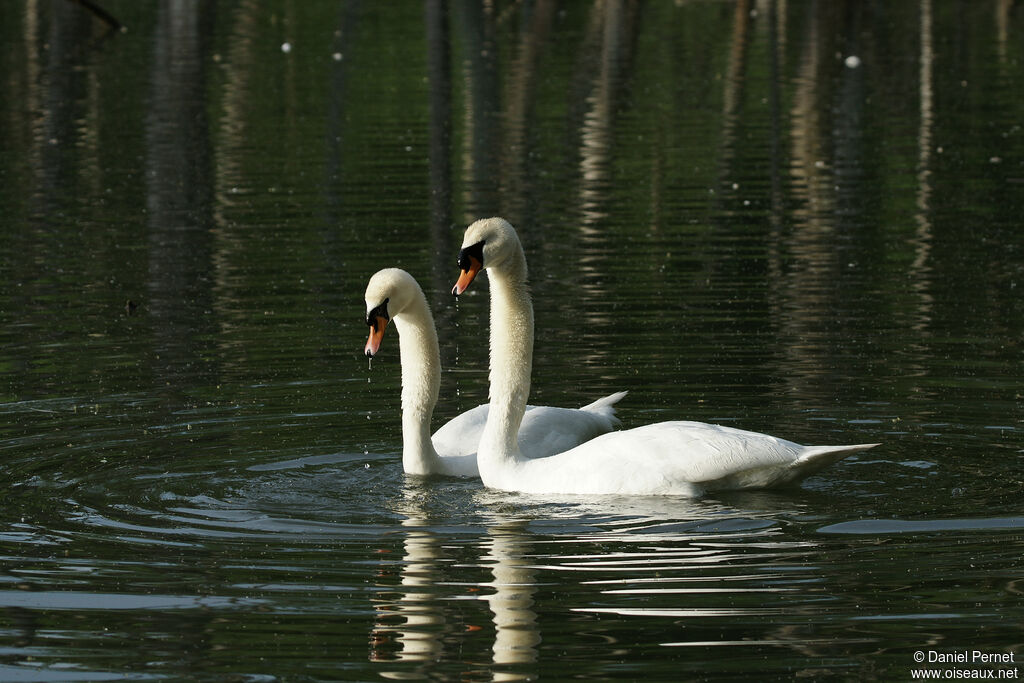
(232, 134)
(920, 270)
(734, 83)
(605, 52)
(142, 535)
(178, 199)
(697, 561)
(419, 634)
(440, 130)
(425, 627)
(524, 77)
(481, 137)
(61, 94)
(411, 626)
(1003, 9)
(516, 634)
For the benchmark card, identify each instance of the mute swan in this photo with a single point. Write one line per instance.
(666, 458)
(393, 294)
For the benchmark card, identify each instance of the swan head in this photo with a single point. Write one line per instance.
(388, 294)
(488, 243)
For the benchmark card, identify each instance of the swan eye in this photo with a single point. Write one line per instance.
(378, 313)
(475, 251)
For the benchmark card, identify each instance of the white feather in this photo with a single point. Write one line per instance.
(666, 458)
(452, 448)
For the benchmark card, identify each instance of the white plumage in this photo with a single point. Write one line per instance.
(393, 294)
(666, 458)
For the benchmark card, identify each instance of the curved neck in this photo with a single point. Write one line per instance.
(421, 382)
(511, 361)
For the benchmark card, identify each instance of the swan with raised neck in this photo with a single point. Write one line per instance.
(665, 458)
(494, 244)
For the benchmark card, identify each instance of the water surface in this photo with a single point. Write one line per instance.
(723, 214)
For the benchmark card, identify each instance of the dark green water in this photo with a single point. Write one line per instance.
(723, 214)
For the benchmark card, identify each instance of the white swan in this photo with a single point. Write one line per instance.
(666, 458)
(393, 294)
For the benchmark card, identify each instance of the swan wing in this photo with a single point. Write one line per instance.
(461, 434)
(544, 431)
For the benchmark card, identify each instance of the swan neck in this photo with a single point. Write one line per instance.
(421, 382)
(511, 362)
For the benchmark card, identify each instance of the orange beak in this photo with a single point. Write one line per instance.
(376, 336)
(467, 276)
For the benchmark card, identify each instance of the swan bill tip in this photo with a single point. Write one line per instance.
(465, 279)
(372, 346)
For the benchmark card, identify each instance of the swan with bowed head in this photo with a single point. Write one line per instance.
(394, 295)
(665, 458)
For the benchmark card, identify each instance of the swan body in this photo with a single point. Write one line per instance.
(545, 430)
(665, 458)
(393, 294)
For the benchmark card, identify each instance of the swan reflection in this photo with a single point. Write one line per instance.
(424, 606)
(422, 621)
(516, 633)
(469, 593)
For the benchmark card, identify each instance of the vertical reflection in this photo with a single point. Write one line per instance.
(232, 133)
(419, 621)
(516, 634)
(1003, 10)
(808, 170)
(601, 73)
(418, 636)
(732, 94)
(776, 55)
(481, 137)
(523, 73)
(811, 244)
(605, 54)
(411, 624)
(605, 30)
(442, 237)
(57, 90)
(438, 75)
(178, 198)
(919, 269)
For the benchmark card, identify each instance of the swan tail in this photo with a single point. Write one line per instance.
(816, 458)
(606, 406)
